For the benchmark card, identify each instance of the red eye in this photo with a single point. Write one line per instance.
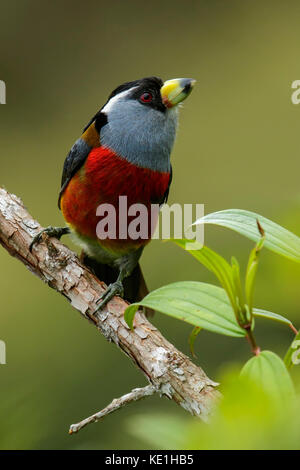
(146, 97)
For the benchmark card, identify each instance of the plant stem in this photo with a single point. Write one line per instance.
(252, 342)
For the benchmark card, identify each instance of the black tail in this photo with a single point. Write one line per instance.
(135, 288)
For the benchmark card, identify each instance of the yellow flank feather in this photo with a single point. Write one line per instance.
(91, 136)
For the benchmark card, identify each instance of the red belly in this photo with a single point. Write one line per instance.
(103, 178)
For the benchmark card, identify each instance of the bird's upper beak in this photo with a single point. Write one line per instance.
(176, 90)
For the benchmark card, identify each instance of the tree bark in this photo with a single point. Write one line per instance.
(167, 369)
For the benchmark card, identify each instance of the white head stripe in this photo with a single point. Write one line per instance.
(110, 104)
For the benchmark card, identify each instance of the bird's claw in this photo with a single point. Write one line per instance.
(113, 289)
(35, 239)
(56, 232)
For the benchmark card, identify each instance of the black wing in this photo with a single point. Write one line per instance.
(166, 195)
(75, 159)
(79, 153)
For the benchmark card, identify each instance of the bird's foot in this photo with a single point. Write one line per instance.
(113, 289)
(56, 232)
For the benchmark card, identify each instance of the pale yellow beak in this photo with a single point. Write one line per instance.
(176, 90)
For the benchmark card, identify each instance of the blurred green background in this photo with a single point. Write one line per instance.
(237, 147)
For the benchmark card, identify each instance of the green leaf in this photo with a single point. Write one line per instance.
(257, 312)
(158, 430)
(236, 276)
(278, 239)
(192, 339)
(270, 373)
(216, 264)
(197, 303)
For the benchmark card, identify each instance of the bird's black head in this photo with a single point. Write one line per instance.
(145, 90)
